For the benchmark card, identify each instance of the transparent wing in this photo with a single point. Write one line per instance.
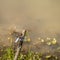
(16, 40)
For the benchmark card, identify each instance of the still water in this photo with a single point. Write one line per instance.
(40, 17)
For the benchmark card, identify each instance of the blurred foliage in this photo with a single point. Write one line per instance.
(30, 55)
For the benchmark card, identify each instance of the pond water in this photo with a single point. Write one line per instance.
(40, 17)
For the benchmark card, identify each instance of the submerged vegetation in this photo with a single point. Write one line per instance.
(9, 52)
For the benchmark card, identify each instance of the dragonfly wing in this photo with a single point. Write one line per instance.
(16, 40)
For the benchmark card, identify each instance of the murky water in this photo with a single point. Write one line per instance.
(41, 17)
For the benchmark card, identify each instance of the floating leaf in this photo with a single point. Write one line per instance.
(48, 43)
(42, 40)
(54, 41)
(28, 40)
(48, 56)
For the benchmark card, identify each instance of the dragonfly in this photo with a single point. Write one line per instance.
(20, 38)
